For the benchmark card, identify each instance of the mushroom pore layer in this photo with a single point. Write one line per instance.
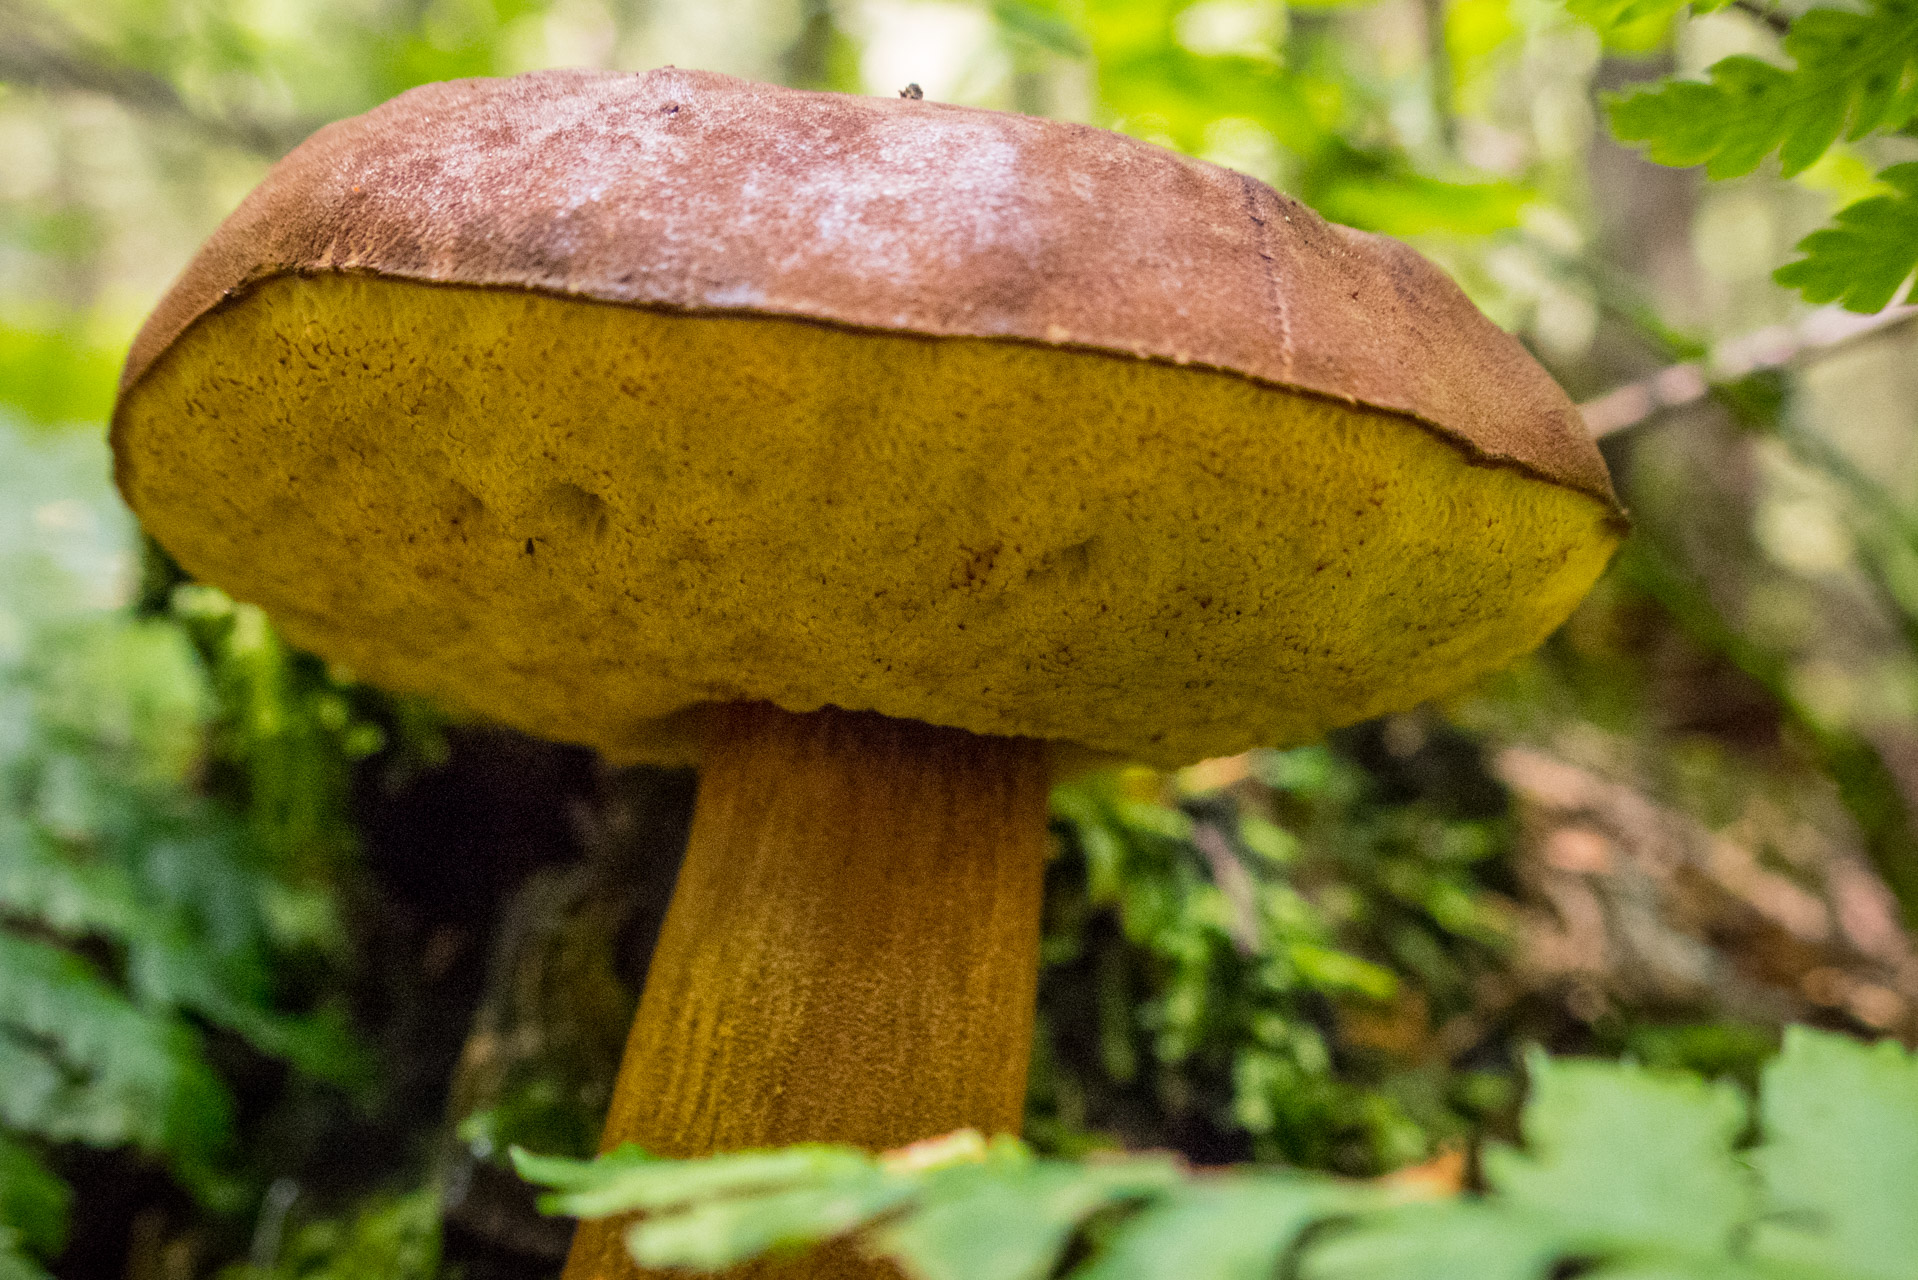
(581, 517)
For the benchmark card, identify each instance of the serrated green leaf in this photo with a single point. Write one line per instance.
(1008, 1220)
(169, 964)
(1219, 1229)
(1629, 1173)
(1839, 1160)
(563, 1173)
(1854, 72)
(1873, 249)
(1625, 1156)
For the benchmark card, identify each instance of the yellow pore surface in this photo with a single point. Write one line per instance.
(580, 518)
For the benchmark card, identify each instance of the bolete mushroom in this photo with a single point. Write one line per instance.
(866, 451)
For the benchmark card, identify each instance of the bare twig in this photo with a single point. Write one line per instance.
(1687, 383)
(1235, 882)
(1634, 899)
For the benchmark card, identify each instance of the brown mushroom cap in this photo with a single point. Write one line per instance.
(581, 399)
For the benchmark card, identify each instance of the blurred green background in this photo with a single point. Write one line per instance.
(285, 963)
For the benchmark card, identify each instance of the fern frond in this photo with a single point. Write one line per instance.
(84, 1064)
(1855, 71)
(1863, 260)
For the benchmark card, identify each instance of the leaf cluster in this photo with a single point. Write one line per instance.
(135, 914)
(1854, 73)
(1625, 1171)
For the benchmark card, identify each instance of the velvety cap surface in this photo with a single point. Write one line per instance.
(696, 190)
(517, 392)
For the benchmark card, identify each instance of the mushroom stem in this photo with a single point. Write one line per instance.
(851, 954)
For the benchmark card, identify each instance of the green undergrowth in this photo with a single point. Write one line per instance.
(1624, 1171)
(164, 830)
(386, 1237)
(1256, 972)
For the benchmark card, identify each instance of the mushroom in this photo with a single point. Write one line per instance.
(872, 453)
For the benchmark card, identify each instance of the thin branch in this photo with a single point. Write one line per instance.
(1689, 382)
(47, 60)
(1779, 23)
(1438, 65)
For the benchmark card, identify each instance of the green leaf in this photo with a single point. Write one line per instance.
(56, 376)
(110, 1074)
(1629, 1173)
(1840, 1158)
(33, 1202)
(1872, 251)
(1631, 26)
(723, 1232)
(15, 1265)
(1454, 1240)
(628, 1179)
(1220, 1229)
(563, 1173)
(1856, 71)
(170, 963)
(1622, 1155)
(1402, 203)
(1331, 970)
(130, 695)
(1041, 25)
(1010, 1218)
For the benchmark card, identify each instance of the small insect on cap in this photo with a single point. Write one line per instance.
(582, 399)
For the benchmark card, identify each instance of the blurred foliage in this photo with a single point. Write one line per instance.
(55, 377)
(141, 912)
(1626, 1170)
(1636, 26)
(386, 1238)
